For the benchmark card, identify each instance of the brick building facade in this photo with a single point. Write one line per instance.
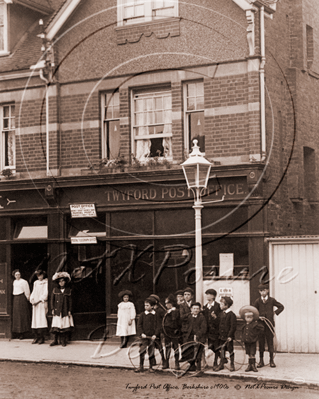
(129, 86)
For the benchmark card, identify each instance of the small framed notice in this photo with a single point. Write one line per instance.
(83, 210)
(83, 240)
(226, 265)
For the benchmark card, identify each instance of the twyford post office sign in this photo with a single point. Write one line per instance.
(83, 210)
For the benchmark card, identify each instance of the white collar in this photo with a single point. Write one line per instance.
(152, 312)
(265, 298)
(210, 304)
(227, 310)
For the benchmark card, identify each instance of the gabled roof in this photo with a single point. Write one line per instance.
(43, 6)
(59, 18)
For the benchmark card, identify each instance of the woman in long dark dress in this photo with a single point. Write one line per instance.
(21, 321)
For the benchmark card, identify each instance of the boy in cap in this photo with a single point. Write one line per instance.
(211, 311)
(227, 328)
(179, 297)
(250, 333)
(265, 305)
(148, 329)
(196, 331)
(185, 309)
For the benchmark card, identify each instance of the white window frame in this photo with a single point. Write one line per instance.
(152, 93)
(105, 120)
(187, 112)
(5, 49)
(153, 11)
(9, 129)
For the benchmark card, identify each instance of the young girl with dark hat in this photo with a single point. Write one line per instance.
(39, 301)
(61, 305)
(125, 318)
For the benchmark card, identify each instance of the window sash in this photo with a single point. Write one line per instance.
(111, 125)
(8, 142)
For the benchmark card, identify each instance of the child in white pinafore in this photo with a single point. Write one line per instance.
(125, 318)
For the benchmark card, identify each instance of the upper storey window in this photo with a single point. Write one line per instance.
(8, 143)
(136, 11)
(3, 27)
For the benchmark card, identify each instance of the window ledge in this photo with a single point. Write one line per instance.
(160, 28)
(4, 53)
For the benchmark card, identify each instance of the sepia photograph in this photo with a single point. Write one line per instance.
(159, 205)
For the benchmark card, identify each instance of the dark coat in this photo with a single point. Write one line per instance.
(227, 325)
(251, 331)
(212, 323)
(149, 324)
(267, 309)
(184, 311)
(172, 323)
(61, 302)
(196, 326)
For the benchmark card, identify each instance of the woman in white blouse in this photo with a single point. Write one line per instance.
(21, 313)
(39, 301)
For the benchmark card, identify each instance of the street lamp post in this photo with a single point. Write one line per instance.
(197, 170)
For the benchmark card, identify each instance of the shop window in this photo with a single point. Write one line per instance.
(111, 125)
(194, 115)
(136, 11)
(8, 143)
(3, 27)
(87, 227)
(152, 124)
(31, 228)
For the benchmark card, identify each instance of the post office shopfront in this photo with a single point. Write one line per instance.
(141, 237)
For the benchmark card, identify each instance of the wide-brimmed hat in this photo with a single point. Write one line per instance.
(249, 309)
(61, 275)
(125, 292)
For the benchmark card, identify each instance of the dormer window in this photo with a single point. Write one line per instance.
(3, 27)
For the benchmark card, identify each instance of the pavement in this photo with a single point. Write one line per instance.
(292, 368)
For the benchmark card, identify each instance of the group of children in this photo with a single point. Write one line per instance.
(184, 321)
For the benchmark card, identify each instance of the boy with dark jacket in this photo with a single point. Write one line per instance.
(148, 328)
(265, 305)
(185, 309)
(227, 328)
(171, 329)
(211, 312)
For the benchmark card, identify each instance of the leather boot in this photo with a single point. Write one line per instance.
(63, 339)
(271, 362)
(123, 342)
(261, 360)
(41, 338)
(36, 338)
(249, 367)
(215, 365)
(221, 364)
(253, 365)
(177, 367)
(55, 341)
(232, 363)
(165, 364)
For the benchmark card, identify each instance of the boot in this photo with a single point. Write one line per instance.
(215, 365)
(221, 364)
(232, 363)
(36, 338)
(177, 367)
(123, 342)
(63, 339)
(141, 368)
(271, 362)
(253, 365)
(261, 360)
(41, 338)
(249, 367)
(55, 342)
(165, 364)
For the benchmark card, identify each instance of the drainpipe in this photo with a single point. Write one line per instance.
(46, 120)
(262, 84)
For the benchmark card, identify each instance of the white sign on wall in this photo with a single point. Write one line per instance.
(83, 240)
(83, 210)
(226, 265)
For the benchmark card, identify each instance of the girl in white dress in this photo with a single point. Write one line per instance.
(39, 301)
(125, 318)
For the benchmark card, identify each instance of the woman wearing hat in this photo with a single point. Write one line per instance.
(250, 332)
(61, 305)
(39, 301)
(21, 311)
(125, 318)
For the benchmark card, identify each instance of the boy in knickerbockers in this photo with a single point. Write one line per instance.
(265, 305)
